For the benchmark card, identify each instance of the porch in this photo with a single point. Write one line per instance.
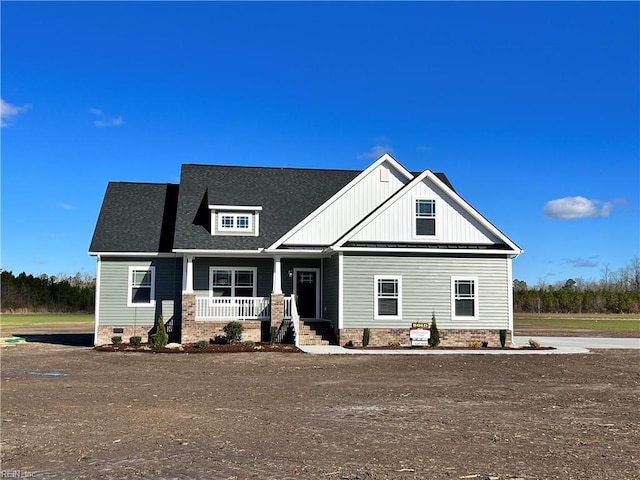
(238, 308)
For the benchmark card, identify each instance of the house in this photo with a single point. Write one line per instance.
(316, 254)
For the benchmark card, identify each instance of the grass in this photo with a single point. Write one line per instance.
(625, 322)
(24, 319)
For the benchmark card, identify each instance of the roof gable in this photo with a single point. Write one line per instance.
(350, 205)
(456, 221)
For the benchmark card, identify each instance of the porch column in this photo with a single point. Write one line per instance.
(187, 272)
(277, 276)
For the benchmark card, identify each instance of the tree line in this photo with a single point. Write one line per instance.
(43, 293)
(615, 292)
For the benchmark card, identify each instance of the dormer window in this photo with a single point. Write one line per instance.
(235, 220)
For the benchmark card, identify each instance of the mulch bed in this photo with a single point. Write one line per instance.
(192, 348)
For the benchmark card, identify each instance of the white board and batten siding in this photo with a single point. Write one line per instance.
(114, 287)
(396, 223)
(426, 288)
(350, 207)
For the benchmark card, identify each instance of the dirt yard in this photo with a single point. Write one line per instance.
(71, 412)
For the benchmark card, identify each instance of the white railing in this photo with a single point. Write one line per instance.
(287, 307)
(295, 319)
(237, 308)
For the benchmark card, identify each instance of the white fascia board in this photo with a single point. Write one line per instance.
(133, 254)
(473, 212)
(384, 158)
(439, 251)
(308, 253)
(235, 208)
(219, 253)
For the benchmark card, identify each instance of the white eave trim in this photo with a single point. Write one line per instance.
(384, 158)
(236, 208)
(439, 251)
(218, 253)
(133, 254)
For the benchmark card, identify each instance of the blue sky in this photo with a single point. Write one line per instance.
(531, 109)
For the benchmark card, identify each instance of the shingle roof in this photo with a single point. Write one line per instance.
(286, 195)
(136, 217)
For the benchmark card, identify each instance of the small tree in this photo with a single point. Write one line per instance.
(434, 339)
(160, 338)
(233, 331)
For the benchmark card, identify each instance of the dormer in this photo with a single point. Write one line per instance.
(235, 220)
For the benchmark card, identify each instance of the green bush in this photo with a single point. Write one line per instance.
(160, 338)
(434, 339)
(366, 334)
(248, 344)
(202, 344)
(273, 333)
(135, 340)
(116, 340)
(219, 340)
(503, 338)
(233, 331)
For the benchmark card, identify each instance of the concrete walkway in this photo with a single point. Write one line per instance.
(561, 344)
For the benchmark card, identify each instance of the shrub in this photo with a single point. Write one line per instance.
(394, 343)
(219, 340)
(434, 339)
(534, 343)
(160, 338)
(475, 344)
(366, 333)
(248, 344)
(485, 344)
(116, 339)
(503, 338)
(349, 344)
(135, 340)
(233, 331)
(202, 343)
(273, 333)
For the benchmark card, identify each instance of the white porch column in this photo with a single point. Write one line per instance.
(187, 274)
(277, 275)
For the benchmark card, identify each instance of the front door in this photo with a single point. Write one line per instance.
(306, 287)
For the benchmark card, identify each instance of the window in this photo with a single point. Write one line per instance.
(464, 292)
(232, 282)
(141, 287)
(236, 222)
(425, 217)
(388, 297)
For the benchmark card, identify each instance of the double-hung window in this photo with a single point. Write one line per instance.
(232, 281)
(425, 217)
(141, 289)
(387, 297)
(464, 297)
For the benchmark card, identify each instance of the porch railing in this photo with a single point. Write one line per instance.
(235, 308)
(238, 308)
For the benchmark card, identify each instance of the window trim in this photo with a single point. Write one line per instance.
(235, 216)
(476, 298)
(130, 286)
(233, 271)
(414, 217)
(376, 279)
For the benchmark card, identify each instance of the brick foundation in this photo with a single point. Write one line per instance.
(277, 309)
(106, 332)
(380, 337)
(206, 330)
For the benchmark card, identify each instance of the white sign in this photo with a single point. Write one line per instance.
(419, 337)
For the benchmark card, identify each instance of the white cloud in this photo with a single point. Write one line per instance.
(105, 121)
(376, 152)
(65, 206)
(8, 111)
(569, 208)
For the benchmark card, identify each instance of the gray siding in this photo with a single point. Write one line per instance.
(426, 287)
(201, 273)
(330, 289)
(114, 284)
